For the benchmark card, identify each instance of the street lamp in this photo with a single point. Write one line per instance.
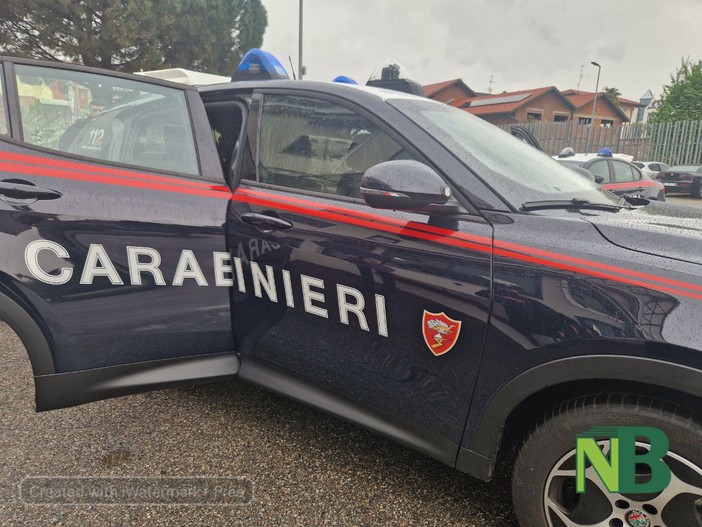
(594, 101)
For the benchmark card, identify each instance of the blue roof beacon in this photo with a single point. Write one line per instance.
(258, 64)
(344, 79)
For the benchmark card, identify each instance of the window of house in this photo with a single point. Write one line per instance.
(106, 118)
(600, 168)
(533, 116)
(606, 123)
(584, 120)
(3, 109)
(317, 145)
(560, 118)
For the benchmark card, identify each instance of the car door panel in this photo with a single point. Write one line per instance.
(623, 179)
(122, 264)
(340, 297)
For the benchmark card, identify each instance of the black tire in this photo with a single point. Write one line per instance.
(553, 439)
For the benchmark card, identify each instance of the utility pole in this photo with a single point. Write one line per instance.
(594, 102)
(300, 67)
(492, 78)
(580, 78)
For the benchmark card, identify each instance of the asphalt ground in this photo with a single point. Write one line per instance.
(305, 468)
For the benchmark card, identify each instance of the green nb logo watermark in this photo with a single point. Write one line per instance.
(617, 467)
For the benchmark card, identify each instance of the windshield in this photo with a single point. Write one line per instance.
(514, 170)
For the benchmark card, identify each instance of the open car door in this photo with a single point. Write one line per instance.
(112, 213)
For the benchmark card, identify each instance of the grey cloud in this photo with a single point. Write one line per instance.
(524, 44)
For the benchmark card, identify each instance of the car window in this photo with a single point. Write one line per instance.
(107, 118)
(640, 165)
(622, 172)
(3, 108)
(515, 171)
(321, 146)
(653, 166)
(600, 168)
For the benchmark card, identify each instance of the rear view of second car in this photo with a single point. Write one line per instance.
(683, 178)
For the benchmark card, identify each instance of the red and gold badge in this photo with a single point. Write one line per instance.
(440, 332)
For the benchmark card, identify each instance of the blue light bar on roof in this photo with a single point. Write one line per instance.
(605, 152)
(258, 64)
(344, 79)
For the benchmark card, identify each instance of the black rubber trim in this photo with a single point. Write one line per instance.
(475, 464)
(487, 435)
(60, 390)
(367, 416)
(30, 334)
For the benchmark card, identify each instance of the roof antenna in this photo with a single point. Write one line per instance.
(292, 68)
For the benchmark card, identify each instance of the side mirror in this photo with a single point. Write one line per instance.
(403, 185)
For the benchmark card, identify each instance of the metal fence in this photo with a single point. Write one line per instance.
(673, 143)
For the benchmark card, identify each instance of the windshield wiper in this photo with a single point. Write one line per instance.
(574, 203)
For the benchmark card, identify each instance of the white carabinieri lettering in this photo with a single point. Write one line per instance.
(227, 270)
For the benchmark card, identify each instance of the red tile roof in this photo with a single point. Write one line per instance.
(585, 98)
(579, 98)
(505, 107)
(432, 89)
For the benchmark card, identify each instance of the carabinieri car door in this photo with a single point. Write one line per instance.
(112, 213)
(373, 306)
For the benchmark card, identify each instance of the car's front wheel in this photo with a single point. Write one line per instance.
(544, 478)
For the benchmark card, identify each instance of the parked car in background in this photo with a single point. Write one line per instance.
(683, 178)
(650, 168)
(614, 173)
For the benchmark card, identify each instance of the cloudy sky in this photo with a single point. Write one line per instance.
(522, 44)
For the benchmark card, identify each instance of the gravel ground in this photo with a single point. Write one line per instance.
(307, 468)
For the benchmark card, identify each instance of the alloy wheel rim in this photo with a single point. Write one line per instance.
(679, 504)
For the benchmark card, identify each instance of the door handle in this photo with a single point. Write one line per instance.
(18, 189)
(265, 222)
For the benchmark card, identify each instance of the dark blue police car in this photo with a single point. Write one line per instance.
(386, 258)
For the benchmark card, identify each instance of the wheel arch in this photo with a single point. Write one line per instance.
(517, 405)
(16, 313)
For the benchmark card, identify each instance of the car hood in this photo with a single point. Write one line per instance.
(661, 229)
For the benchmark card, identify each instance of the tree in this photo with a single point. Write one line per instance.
(211, 35)
(133, 35)
(682, 98)
(612, 93)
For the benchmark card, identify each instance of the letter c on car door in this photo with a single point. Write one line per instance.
(31, 258)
